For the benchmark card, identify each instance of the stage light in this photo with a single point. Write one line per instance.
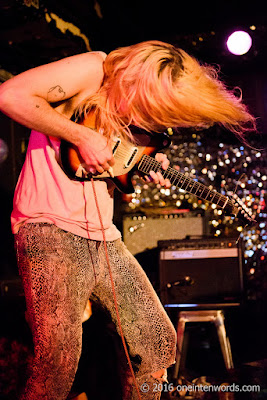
(239, 43)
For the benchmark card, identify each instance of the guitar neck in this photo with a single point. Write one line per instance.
(184, 182)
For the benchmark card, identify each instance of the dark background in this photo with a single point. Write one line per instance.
(28, 39)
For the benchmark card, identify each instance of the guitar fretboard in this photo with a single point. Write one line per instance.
(184, 182)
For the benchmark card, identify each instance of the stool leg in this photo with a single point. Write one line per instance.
(229, 353)
(224, 342)
(180, 339)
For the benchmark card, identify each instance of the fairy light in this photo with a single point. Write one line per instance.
(231, 169)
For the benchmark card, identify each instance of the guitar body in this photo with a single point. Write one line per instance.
(126, 155)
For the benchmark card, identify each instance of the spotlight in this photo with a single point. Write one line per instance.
(239, 43)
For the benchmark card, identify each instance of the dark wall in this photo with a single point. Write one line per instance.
(16, 137)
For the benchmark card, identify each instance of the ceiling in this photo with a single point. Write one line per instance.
(35, 32)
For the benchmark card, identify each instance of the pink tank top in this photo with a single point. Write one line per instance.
(44, 193)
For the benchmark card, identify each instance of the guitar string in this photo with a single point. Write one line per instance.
(184, 181)
(147, 163)
(150, 162)
(182, 178)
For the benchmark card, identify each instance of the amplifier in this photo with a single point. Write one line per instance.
(142, 232)
(205, 271)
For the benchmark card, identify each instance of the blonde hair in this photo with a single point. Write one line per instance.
(154, 85)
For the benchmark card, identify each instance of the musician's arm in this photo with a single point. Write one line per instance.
(29, 99)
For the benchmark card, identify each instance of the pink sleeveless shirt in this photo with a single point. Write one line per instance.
(44, 193)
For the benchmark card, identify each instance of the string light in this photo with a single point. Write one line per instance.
(230, 168)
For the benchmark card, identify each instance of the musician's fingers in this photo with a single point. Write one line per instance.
(167, 183)
(162, 158)
(99, 169)
(92, 170)
(106, 166)
(158, 178)
(161, 180)
(154, 176)
(111, 162)
(148, 179)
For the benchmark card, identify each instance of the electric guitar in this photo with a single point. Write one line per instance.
(128, 155)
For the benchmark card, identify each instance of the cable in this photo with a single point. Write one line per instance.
(87, 229)
(114, 292)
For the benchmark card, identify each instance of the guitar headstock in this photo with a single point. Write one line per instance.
(240, 210)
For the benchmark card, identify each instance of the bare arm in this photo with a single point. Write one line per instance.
(27, 98)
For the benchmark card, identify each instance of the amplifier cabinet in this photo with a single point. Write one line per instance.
(141, 233)
(200, 272)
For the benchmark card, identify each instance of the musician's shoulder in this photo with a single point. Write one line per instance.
(101, 54)
(92, 56)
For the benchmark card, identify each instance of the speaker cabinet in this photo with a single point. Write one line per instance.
(200, 271)
(142, 232)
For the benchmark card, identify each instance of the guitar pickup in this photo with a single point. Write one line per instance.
(117, 143)
(134, 152)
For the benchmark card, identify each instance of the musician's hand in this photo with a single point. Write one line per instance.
(157, 176)
(96, 152)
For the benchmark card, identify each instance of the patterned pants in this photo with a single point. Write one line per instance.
(60, 271)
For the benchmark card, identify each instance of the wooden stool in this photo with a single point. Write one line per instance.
(215, 316)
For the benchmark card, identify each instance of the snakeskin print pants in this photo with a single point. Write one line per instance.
(60, 271)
